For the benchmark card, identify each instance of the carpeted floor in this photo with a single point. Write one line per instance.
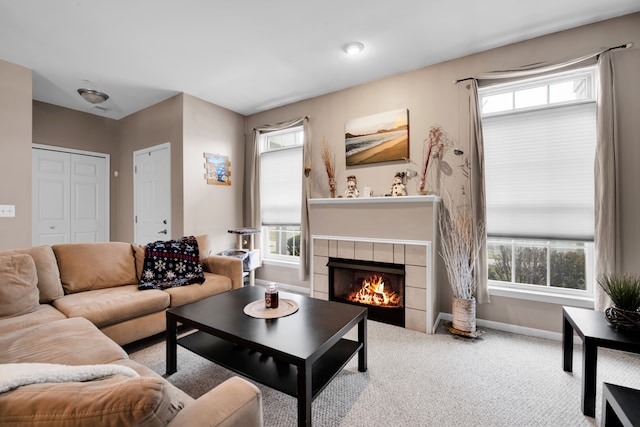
(500, 379)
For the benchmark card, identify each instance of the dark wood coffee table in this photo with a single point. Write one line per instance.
(298, 354)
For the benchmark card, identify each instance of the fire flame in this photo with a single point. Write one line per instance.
(374, 293)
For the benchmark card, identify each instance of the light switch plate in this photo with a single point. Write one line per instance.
(7, 211)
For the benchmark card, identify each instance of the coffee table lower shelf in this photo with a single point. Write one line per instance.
(279, 375)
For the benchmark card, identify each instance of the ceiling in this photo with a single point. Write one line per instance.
(253, 55)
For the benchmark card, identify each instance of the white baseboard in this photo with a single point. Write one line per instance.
(284, 286)
(507, 327)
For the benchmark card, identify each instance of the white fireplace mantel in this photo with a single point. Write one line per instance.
(395, 218)
(359, 200)
(387, 229)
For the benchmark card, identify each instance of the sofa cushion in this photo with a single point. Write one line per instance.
(138, 253)
(47, 267)
(114, 401)
(89, 266)
(59, 342)
(213, 285)
(44, 313)
(18, 285)
(204, 245)
(145, 371)
(104, 307)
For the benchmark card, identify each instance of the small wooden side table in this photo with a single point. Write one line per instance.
(240, 235)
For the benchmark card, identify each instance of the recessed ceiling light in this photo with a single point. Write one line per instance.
(353, 48)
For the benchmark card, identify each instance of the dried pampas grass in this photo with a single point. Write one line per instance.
(329, 164)
(328, 159)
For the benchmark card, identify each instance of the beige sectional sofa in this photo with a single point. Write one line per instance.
(75, 305)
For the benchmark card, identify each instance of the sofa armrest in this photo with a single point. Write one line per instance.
(234, 403)
(225, 266)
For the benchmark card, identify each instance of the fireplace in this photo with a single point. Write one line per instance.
(376, 285)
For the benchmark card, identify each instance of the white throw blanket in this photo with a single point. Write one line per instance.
(13, 375)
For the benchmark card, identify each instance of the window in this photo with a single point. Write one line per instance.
(281, 193)
(540, 137)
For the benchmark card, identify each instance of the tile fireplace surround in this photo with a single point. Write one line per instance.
(399, 230)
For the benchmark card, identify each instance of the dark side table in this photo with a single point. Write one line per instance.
(595, 331)
(620, 406)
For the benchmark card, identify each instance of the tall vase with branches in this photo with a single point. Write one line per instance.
(329, 165)
(460, 244)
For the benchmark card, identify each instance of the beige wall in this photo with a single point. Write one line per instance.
(15, 158)
(155, 125)
(433, 99)
(62, 127)
(212, 209)
(193, 127)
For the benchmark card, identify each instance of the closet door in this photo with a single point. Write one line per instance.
(87, 199)
(70, 197)
(50, 194)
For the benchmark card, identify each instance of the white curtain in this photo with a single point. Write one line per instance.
(607, 186)
(477, 191)
(252, 185)
(305, 237)
(607, 199)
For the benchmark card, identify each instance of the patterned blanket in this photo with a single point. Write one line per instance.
(171, 263)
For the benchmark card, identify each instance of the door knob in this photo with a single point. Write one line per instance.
(164, 221)
(52, 227)
(163, 231)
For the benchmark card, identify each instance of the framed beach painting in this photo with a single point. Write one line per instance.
(217, 169)
(382, 137)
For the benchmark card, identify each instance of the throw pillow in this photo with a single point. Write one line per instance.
(18, 285)
(171, 263)
(49, 284)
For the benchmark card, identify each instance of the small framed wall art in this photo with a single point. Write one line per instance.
(217, 169)
(377, 138)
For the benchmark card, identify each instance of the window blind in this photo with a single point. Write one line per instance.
(539, 173)
(281, 186)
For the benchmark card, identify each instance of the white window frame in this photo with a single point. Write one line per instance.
(548, 294)
(283, 260)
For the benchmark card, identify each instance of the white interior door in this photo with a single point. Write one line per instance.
(88, 201)
(50, 194)
(152, 193)
(70, 192)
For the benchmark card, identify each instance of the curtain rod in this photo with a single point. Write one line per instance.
(307, 117)
(622, 46)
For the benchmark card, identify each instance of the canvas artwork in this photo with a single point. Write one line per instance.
(217, 169)
(377, 138)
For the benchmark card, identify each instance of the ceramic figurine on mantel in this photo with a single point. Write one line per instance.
(352, 189)
(398, 188)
